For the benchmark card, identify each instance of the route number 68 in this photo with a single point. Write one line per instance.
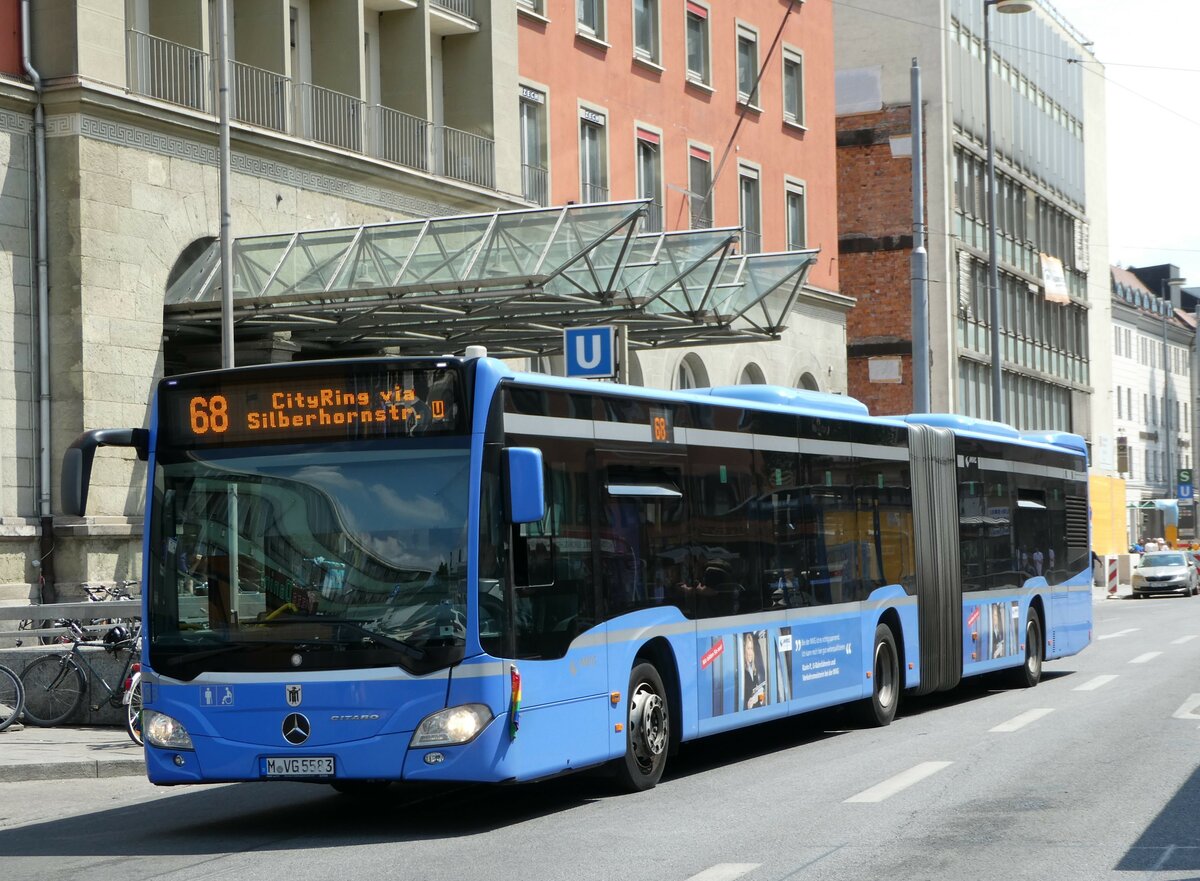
(209, 414)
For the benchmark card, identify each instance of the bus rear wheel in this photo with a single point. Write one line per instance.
(880, 708)
(1029, 673)
(647, 731)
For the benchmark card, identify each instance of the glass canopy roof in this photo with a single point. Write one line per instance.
(510, 280)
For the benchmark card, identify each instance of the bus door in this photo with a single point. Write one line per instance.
(643, 559)
(560, 646)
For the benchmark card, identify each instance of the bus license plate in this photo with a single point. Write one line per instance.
(298, 766)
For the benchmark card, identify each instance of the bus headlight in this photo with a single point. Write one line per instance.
(164, 732)
(452, 725)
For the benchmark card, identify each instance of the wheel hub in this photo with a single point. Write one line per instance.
(647, 725)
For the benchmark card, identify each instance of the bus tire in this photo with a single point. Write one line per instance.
(1029, 673)
(879, 709)
(647, 731)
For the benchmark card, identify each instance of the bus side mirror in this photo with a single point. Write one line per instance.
(525, 499)
(77, 462)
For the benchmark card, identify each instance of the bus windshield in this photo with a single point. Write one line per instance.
(270, 558)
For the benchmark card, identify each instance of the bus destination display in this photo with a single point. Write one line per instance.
(379, 403)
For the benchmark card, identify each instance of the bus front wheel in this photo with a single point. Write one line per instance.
(647, 731)
(880, 708)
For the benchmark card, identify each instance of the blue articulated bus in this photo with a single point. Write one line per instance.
(440, 569)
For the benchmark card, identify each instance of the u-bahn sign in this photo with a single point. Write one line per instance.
(590, 352)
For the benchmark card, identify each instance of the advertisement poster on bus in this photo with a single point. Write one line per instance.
(992, 630)
(750, 669)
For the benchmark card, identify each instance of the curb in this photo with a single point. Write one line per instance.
(71, 770)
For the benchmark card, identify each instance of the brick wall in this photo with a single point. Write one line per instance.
(874, 248)
(881, 398)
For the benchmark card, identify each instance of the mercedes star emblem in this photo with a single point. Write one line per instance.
(296, 729)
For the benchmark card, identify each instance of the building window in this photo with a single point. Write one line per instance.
(535, 6)
(589, 18)
(797, 215)
(697, 43)
(747, 65)
(593, 164)
(535, 175)
(750, 203)
(700, 188)
(793, 86)
(645, 30)
(649, 177)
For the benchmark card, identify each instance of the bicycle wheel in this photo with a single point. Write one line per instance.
(12, 697)
(54, 688)
(133, 709)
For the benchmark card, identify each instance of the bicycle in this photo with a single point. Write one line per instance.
(74, 627)
(55, 685)
(12, 697)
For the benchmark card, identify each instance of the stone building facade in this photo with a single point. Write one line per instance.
(132, 192)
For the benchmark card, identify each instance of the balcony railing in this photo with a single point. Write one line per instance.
(158, 68)
(465, 8)
(701, 214)
(465, 156)
(751, 241)
(399, 137)
(259, 97)
(182, 75)
(535, 184)
(329, 117)
(590, 192)
(654, 218)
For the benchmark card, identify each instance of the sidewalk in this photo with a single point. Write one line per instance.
(32, 753)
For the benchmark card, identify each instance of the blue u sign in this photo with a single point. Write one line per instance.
(1185, 491)
(590, 351)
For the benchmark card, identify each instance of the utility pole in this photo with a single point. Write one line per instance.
(919, 261)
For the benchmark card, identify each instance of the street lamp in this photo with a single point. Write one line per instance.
(1168, 312)
(1010, 7)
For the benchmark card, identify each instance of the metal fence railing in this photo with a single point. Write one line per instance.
(751, 241)
(465, 8)
(158, 68)
(465, 156)
(535, 184)
(591, 192)
(654, 218)
(399, 137)
(329, 117)
(701, 214)
(259, 97)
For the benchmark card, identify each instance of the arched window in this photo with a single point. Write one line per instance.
(809, 382)
(691, 373)
(752, 375)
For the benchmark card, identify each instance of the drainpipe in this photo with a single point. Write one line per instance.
(42, 279)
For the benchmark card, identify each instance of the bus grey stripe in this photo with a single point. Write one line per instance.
(773, 444)
(557, 426)
(519, 423)
(622, 431)
(1027, 468)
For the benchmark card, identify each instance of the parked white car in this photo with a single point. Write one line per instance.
(1165, 572)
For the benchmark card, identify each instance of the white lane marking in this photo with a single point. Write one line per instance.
(900, 782)
(1183, 639)
(1187, 710)
(725, 871)
(1093, 684)
(1018, 722)
(1149, 656)
(1119, 633)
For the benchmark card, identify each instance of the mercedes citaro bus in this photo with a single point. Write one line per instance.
(441, 569)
